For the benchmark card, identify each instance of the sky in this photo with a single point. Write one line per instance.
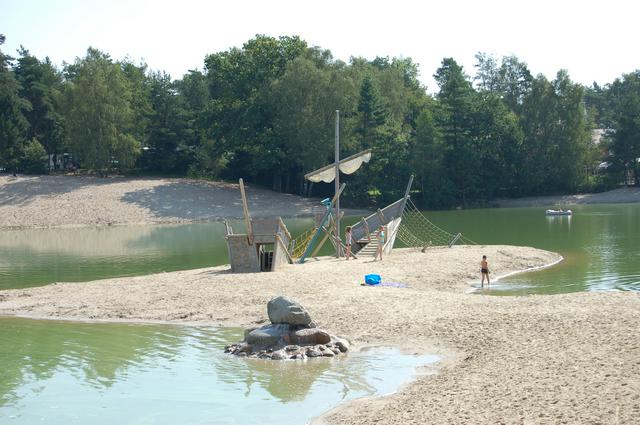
(593, 40)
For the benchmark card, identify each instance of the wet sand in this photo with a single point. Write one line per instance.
(572, 358)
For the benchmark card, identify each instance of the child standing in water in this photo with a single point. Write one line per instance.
(347, 241)
(484, 269)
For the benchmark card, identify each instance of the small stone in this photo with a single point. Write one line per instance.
(242, 354)
(278, 355)
(335, 351)
(342, 344)
(310, 336)
(241, 348)
(328, 353)
(291, 348)
(314, 353)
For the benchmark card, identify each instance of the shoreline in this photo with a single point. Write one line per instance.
(475, 289)
(623, 195)
(539, 358)
(43, 202)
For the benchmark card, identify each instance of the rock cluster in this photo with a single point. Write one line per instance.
(291, 335)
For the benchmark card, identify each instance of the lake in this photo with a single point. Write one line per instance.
(600, 244)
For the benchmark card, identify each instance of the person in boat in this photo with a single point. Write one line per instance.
(348, 239)
(484, 270)
(381, 236)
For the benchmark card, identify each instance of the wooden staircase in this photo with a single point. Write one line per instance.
(366, 248)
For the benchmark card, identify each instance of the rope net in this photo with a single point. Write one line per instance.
(418, 231)
(298, 245)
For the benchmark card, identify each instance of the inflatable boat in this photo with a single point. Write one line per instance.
(558, 212)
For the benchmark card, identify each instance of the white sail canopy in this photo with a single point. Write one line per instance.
(327, 175)
(348, 166)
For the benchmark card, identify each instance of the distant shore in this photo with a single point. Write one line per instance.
(570, 358)
(79, 201)
(73, 201)
(623, 195)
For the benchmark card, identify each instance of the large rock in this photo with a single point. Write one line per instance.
(268, 336)
(311, 336)
(285, 310)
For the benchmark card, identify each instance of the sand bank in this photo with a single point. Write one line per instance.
(55, 201)
(572, 358)
(624, 195)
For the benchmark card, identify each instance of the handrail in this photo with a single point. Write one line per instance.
(284, 227)
(375, 217)
(245, 210)
(286, 251)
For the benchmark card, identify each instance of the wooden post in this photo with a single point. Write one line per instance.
(324, 220)
(406, 195)
(284, 248)
(324, 239)
(284, 228)
(366, 228)
(245, 210)
(337, 183)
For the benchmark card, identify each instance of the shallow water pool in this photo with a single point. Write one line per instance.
(90, 373)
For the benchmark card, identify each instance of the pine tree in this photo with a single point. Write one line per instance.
(373, 114)
(40, 84)
(13, 124)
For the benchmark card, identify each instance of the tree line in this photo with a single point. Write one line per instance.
(265, 112)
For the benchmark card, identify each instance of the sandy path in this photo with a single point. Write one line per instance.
(50, 201)
(572, 358)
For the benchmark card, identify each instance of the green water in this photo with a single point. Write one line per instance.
(600, 243)
(40, 256)
(83, 373)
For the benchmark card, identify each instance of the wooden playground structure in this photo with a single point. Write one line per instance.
(267, 245)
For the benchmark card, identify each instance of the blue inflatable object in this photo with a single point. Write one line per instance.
(372, 279)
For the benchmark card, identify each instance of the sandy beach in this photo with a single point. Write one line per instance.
(562, 359)
(623, 195)
(57, 201)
